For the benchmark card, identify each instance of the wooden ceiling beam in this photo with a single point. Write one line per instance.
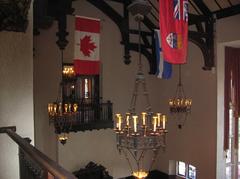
(194, 19)
(227, 12)
(203, 8)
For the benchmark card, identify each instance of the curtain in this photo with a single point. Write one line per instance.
(232, 92)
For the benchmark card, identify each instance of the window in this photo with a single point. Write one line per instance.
(86, 90)
(181, 169)
(83, 88)
(186, 170)
(191, 172)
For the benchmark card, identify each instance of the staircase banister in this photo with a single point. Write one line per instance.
(48, 164)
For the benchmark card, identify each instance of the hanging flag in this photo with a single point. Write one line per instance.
(164, 69)
(86, 46)
(173, 16)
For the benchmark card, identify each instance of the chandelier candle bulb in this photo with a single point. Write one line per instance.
(178, 102)
(164, 121)
(60, 108)
(75, 107)
(154, 123)
(127, 119)
(117, 121)
(70, 107)
(182, 102)
(50, 108)
(190, 102)
(120, 122)
(65, 108)
(144, 118)
(135, 123)
(55, 108)
(158, 119)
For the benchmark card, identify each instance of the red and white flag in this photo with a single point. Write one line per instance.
(173, 16)
(86, 46)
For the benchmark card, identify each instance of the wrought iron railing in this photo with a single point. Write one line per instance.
(90, 115)
(33, 163)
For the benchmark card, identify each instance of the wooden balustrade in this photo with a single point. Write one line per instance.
(33, 163)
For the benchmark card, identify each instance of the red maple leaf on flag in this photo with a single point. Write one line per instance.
(87, 46)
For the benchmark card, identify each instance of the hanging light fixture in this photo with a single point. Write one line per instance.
(140, 133)
(60, 113)
(180, 105)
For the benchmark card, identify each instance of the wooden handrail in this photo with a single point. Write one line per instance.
(41, 159)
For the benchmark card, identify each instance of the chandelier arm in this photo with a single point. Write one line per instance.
(154, 159)
(129, 163)
(183, 93)
(177, 92)
(141, 155)
(129, 150)
(185, 118)
(141, 158)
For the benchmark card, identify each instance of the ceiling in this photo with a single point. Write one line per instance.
(211, 8)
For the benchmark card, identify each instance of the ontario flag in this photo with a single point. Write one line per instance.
(173, 17)
(86, 46)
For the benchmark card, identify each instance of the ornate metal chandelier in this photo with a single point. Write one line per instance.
(62, 114)
(138, 134)
(180, 105)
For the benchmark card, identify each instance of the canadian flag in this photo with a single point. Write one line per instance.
(86, 47)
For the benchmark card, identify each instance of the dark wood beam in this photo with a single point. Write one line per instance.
(119, 1)
(202, 6)
(108, 10)
(149, 24)
(227, 12)
(194, 19)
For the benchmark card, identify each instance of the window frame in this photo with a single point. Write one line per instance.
(186, 170)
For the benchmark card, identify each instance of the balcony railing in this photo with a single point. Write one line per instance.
(90, 115)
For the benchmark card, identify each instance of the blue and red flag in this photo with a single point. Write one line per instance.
(164, 69)
(173, 16)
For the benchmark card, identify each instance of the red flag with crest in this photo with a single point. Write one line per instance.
(86, 47)
(173, 17)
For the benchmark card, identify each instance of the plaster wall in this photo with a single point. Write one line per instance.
(47, 74)
(16, 94)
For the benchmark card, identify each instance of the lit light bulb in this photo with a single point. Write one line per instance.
(135, 123)
(158, 119)
(140, 174)
(75, 107)
(144, 118)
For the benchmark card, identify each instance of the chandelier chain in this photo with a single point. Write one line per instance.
(139, 46)
(180, 75)
(140, 79)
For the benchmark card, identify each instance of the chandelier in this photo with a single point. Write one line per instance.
(180, 105)
(60, 113)
(137, 134)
